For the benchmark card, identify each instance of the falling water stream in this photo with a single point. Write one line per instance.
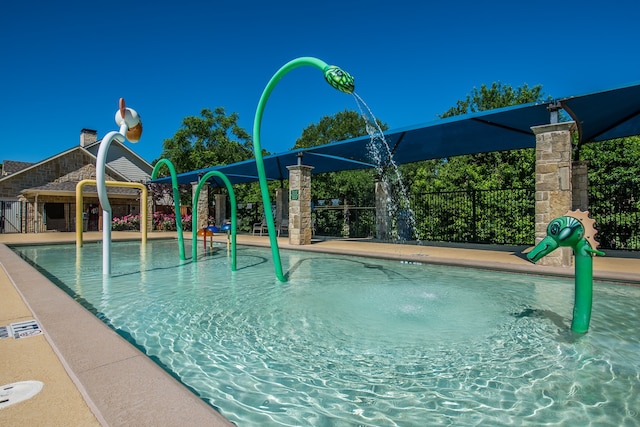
(399, 210)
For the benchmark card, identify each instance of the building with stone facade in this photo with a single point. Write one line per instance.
(39, 197)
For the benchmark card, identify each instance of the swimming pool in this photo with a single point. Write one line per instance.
(356, 341)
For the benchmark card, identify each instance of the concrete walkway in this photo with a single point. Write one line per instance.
(94, 377)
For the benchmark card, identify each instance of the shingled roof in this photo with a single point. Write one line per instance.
(12, 166)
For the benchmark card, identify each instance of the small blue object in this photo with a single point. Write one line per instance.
(214, 229)
(226, 227)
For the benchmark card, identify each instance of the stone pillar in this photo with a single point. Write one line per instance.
(383, 224)
(300, 204)
(150, 210)
(201, 206)
(580, 183)
(553, 183)
(282, 207)
(220, 210)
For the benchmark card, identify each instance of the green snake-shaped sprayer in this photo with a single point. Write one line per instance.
(574, 229)
(338, 79)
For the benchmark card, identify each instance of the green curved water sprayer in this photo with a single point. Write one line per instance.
(176, 200)
(232, 200)
(575, 230)
(338, 79)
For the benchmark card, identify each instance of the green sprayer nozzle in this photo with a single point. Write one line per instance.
(339, 79)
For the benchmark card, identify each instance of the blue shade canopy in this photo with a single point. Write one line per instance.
(599, 116)
(605, 115)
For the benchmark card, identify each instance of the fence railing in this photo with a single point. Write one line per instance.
(617, 216)
(504, 216)
(345, 221)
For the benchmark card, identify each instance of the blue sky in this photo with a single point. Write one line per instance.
(66, 64)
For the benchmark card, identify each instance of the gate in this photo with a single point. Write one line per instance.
(10, 216)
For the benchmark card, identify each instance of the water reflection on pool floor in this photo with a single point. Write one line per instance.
(357, 341)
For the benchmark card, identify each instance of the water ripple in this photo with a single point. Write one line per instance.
(393, 345)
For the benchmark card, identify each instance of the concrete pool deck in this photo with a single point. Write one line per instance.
(92, 376)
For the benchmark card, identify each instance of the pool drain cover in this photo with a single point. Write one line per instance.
(18, 330)
(18, 392)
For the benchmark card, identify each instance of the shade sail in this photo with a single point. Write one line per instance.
(605, 115)
(600, 116)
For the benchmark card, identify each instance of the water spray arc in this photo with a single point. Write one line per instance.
(130, 128)
(337, 78)
(381, 155)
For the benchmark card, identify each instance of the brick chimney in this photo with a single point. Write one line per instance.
(88, 137)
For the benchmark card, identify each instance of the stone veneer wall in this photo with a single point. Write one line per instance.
(45, 173)
(383, 225)
(202, 205)
(580, 183)
(300, 206)
(553, 183)
(73, 166)
(220, 209)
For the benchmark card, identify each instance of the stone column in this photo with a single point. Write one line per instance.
(150, 210)
(553, 183)
(580, 183)
(382, 209)
(220, 210)
(300, 204)
(281, 207)
(201, 206)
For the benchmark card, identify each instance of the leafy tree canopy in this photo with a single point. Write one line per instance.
(497, 96)
(514, 168)
(613, 163)
(343, 125)
(213, 138)
(354, 186)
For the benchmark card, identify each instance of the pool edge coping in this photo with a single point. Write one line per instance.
(18, 278)
(100, 373)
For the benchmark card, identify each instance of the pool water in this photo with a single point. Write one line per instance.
(364, 342)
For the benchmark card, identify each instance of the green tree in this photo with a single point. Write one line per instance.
(354, 186)
(211, 139)
(614, 180)
(482, 171)
(496, 96)
(351, 187)
(343, 125)
(515, 168)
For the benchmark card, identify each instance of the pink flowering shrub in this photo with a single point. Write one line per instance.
(126, 223)
(161, 221)
(167, 221)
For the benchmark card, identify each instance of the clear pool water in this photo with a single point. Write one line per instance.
(364, 342)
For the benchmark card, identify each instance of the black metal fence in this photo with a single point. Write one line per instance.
(505, 216)
(617, 215)
(352, 221)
